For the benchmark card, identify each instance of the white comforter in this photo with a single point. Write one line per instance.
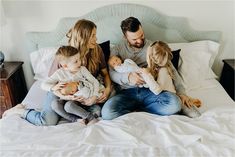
(135, 134)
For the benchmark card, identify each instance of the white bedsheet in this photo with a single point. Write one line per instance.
(135, 134)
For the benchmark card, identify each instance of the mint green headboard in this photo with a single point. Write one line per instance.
(108, 18)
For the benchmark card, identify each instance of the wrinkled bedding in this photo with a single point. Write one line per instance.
(135, 134)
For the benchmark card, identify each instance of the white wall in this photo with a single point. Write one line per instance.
(24, 16)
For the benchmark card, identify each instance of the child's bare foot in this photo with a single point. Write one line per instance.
(93, 121)
(17, 110)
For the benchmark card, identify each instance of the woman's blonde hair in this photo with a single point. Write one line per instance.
(79, 37)
(159, 55)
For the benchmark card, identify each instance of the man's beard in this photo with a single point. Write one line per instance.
(137, 45)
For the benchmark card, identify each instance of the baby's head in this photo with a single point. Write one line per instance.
(70, 88)
(69, 58)
(114, 61)
(159, 54)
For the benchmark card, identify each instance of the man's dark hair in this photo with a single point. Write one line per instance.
(130, 24)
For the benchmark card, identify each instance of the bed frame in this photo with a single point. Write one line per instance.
(108, 18)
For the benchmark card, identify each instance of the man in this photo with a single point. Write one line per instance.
(132, 98)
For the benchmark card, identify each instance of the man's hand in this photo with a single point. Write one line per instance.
(143, 71)
(135, 78)
(104, 96)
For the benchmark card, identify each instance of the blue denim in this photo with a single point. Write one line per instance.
(47, 116)
(140, 99)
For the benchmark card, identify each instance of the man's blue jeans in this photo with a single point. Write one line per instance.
(47, 116)
(140, 99)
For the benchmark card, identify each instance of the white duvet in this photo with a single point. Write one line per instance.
(135, 134)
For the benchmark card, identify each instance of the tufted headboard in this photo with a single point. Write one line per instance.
(108, 18)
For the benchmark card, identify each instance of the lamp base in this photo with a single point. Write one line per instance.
(2, 66)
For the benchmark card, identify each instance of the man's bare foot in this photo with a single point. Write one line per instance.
(16, 110)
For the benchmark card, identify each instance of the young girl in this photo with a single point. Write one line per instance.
(159, 65)
(70, 79)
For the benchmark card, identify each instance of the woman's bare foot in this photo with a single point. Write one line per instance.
(16, 110)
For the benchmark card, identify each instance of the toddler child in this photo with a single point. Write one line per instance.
(70, 79)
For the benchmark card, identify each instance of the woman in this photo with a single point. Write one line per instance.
(83, 37)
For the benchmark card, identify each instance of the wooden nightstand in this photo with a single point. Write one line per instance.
(228, 76)
(13, 86)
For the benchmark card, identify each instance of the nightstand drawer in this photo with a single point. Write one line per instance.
(13, 85)
(228, 76)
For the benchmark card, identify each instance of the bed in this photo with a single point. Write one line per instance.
(137, 133)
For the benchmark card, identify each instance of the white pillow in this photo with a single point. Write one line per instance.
(197, 59)
(41, 61)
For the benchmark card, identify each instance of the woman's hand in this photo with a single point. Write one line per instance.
(80, 99)
(105, 94)
(90, 101)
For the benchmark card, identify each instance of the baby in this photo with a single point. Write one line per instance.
(78, 89)
(129, 65)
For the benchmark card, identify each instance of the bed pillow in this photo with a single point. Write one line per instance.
(106, 49)
(176, 57)
(197, 59)
(43, 59)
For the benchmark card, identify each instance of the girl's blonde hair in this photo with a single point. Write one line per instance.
(79, 37)
(159, 55)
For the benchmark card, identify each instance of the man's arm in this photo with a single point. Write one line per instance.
(119, 78)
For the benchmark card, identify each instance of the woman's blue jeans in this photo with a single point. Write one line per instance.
(140, 99)
(45, 117)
